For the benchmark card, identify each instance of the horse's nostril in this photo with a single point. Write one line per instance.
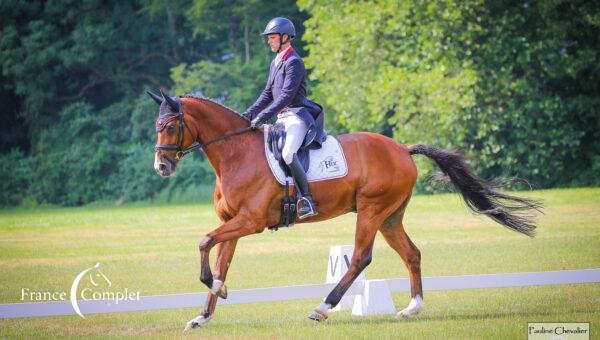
(162, 166)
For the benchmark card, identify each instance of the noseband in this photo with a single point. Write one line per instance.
(161, 124)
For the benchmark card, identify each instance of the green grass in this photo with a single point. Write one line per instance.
(153, 249)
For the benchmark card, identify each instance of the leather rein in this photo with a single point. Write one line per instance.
(180, 151)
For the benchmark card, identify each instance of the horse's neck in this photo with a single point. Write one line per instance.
(212, 121)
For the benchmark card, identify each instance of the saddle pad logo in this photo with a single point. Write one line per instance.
(329, 165)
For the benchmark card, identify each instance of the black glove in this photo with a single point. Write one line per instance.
(256, 123)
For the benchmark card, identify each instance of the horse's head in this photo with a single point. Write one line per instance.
(98, 278)
(172, 138)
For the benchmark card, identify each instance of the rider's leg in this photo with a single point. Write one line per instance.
(307, 208)
(296, 129)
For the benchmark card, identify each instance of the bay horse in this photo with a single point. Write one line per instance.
(378, 186)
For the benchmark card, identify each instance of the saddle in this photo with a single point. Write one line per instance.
(275, 142)
(328, 162)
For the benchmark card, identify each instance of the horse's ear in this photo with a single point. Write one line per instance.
(156, 97)
(172, 103)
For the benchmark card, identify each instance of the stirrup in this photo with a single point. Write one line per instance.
(307, 204)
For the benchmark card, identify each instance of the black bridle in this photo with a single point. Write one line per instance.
(178, 148)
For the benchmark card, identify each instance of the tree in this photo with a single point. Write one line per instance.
(514, 84)
(79, 127)
(236, 71)
(233, 27)
(53, 54)
(537, 111)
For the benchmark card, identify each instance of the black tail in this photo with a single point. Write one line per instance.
(513, 212)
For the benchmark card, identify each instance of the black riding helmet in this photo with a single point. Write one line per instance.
(280, 26)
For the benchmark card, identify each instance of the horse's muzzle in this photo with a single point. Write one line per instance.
(164, 165)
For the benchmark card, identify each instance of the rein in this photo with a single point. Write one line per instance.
(197, 145)
(179, 148)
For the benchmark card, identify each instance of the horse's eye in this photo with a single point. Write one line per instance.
(170, 129)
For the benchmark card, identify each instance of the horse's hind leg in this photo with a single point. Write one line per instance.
(366, 228)
(393, 232)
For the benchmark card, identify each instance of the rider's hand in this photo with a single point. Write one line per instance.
(255, 124)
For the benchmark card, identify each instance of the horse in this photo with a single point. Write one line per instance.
(378, 186)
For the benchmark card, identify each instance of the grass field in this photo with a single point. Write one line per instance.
(153, 249)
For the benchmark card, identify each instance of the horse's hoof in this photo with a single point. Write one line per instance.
(317, 316)
(406, 313)
(216, 286)
(196, 322)
(320, 313)
(190, 325)
(219, 289)
(222, 293)
(415, 307)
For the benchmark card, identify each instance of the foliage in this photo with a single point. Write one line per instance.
(393, 64)
(237, 70)
(538, 96)
(72, 79)
(513, 84)
(55, 53)
(233, 27)
(234, 82)
(15, 177)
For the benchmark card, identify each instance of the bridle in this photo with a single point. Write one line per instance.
(161, 124)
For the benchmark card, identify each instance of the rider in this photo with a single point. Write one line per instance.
(285, 96)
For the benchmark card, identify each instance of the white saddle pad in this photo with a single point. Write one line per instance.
(327, 162)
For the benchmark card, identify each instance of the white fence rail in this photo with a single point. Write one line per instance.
(56, 308)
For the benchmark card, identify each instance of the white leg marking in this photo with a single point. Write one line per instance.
(415, 306)
(196, 322)
(216, 286)
(321, 312)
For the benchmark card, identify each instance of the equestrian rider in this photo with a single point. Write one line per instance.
(285, 96)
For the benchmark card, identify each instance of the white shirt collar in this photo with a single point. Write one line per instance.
(280, 55)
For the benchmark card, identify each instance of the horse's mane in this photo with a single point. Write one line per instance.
(213, 101)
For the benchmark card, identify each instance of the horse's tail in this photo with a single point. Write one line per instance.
(513, 212)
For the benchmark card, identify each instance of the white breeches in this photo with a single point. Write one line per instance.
(295, 129)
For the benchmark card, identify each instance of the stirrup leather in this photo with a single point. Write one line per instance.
(307, 209)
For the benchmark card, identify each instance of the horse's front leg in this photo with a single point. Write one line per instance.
(225, 253)
(231, 230)
(206, 276)
(237, 227)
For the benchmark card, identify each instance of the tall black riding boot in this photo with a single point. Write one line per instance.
(307, 208)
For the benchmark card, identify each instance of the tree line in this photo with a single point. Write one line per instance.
(513, 84)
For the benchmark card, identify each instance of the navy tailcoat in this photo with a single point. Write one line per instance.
(286, 88)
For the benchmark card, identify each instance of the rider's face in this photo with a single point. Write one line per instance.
(273, 41)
